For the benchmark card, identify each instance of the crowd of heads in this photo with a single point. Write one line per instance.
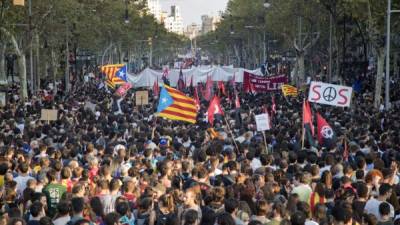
(118, 163)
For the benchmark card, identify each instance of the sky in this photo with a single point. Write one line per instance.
(192, 10)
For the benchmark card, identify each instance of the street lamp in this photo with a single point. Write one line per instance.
(267, 4)
(126, 12)
(387, 75)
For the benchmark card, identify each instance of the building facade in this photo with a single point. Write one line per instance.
(192, 31)
(155, 9)
(174, 22)
(209, 23)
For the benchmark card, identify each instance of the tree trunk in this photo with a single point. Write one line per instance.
(3, 75)
(54, 69)
(379, 77)
(21, 60)
(37, 60)
(236, 50)
(301, 68)
(395, 65)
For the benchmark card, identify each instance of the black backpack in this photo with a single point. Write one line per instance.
(165, 219)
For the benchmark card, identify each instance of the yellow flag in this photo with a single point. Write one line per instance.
(19, 2)
(289, 90)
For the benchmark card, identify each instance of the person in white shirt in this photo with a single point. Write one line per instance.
(22, 178)
(372, 206)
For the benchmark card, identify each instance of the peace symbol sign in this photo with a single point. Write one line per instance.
(329, 94)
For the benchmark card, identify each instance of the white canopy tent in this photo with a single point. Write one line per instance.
(199, 75)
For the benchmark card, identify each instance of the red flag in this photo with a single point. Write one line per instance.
(122, 90)
(308, 128)
(307, 116)
(156, 88)
(214, 108)
(346, 149)
(196, 98)
(232, 81)
(221, 87)
(251, 89)
(165, 73)
(181, 83)
(326, 135)
(264, 108)
(273, 105)
(237, 101)
(207, 93)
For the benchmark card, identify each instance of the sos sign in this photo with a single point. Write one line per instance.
(330, 94)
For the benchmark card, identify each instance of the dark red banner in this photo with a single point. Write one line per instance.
(261, 84)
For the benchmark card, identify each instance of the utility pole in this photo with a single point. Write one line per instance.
(32, 86)
(67, 85)
(151, 53)
(387, 74)
(330, 48)
(264, 47)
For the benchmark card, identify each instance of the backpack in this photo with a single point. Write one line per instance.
(165, 219)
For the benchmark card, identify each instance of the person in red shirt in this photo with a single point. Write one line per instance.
(66, 178)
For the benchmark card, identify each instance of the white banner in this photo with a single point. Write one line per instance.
(262, 122)
(330, 94)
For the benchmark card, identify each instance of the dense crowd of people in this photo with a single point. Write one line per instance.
(118, 163)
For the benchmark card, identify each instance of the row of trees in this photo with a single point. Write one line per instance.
(349, 32)
(52, 30)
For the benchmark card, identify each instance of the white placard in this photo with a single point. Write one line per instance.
(262, 122)
(330, 94)
(2, 99)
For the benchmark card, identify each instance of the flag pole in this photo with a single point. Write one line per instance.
(233, 137)
(302, 125)
(265, 141)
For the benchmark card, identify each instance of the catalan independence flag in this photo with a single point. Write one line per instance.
(289, 90)
(174, 105)
(115, 74)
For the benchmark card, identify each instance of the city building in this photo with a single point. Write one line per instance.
(209, 23)
(155, 9)
(192, 31)
(174, 22)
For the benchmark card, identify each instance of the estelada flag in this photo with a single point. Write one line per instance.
(115, 74)
(307, 123)
(214, 108)
(289, 90)
(326, 135)
(175, 105)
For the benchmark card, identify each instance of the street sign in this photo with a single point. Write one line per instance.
(330, 94)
